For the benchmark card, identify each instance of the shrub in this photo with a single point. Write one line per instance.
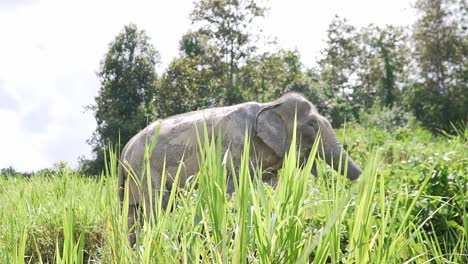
(387, 118)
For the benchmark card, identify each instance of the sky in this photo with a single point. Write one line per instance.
(50, 51)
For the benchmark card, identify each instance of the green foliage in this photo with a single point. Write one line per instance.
(409, 206)
(337, 68)
(207, 72)
(267, 76)
(194, 80)
(448, 185)
(9, 172)
(342, 111)
(226, 24)
(382, 67)
(444, 200)
(440, 95)
(128, 90)
(387, 118)
(339, 60)
(46, 215)
(437, 111)
(218, 65)
(360, 68)
(428, 75)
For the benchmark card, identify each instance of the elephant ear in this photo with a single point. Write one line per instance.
(271, 129)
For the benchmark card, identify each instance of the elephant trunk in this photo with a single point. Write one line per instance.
(336, 156)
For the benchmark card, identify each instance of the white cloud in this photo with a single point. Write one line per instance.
(7, 101)
(37, 119)
(51, 49)
(302, 24)
(12, 4)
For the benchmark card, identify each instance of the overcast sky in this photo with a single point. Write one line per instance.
(50, 52)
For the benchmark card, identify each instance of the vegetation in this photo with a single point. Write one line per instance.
(127, 96)
(420, 72)
(404, 92)
(440, 48)
(409, 206)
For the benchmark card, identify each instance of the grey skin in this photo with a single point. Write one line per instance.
(269, 124)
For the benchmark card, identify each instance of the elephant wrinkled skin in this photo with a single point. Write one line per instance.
(269, 124)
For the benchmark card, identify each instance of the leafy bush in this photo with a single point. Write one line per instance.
(437, 111)
(387, 118)
(446, 196)
(342, 111)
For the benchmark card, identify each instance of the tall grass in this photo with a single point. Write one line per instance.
(384, 217)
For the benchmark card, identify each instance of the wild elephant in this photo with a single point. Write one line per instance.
(270, 126)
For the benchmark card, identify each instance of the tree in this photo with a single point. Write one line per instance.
(362, 68)
(267, 76)
(340, 57)
(128, 89)
(338, 71)
(194, 79)
(440, 92)
(226, 24)
(382, 66)
(8, 172)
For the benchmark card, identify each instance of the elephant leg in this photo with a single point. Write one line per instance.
(314, 169)
(270, 177)
(149, 212)
(132, 214)
(230, 182)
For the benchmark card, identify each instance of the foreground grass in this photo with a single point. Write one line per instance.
(410, 206)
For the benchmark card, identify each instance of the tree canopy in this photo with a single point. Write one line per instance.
(439, 94)
(226, 24)
(126, 99)
(372, 69)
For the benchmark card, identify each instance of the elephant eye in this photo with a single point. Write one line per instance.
(312, 123)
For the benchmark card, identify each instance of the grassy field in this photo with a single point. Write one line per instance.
(409, 206)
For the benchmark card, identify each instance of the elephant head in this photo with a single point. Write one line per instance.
(274, 125)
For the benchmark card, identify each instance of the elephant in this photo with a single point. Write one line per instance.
(270, 126)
